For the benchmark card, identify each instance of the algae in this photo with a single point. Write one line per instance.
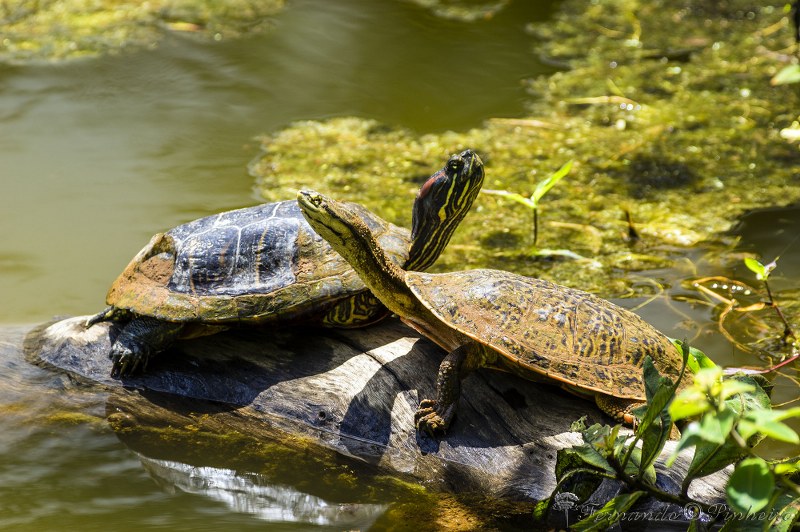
(666, 109)
(463, 10)
(64, 29)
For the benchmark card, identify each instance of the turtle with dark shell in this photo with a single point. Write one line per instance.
(490, 318)
(265, 264)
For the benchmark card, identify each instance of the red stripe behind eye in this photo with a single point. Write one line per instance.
(426, 188)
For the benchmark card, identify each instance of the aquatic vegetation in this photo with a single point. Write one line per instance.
(672, 123)
(63, 29)
(532, 202)
(762, 272)
(464, 10)
(731, 415)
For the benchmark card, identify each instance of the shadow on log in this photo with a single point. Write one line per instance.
(353, 392)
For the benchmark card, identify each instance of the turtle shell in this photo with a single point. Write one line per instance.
(561, 333)
(251, 264)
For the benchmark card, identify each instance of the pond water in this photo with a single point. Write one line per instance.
(99, 154)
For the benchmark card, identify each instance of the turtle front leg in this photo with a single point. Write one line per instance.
(110, 313)
(139, 339)
(435, 415)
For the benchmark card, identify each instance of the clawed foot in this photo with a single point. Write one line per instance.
(103, 315)
(432, 419)
(126, 362)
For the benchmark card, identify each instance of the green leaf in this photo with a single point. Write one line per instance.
(697, 359)
(653, 441)
(546, 184)
(691, 402)
(787, 468)
(750, 486)
(689, 438)
(567, 460)
(756, 267)
(513, 196)
(596, 434)
(652, 379)
(716, 426)
(658, 391)
(579, 425)
(711, 457)
(768, 423)
(756, 399)
(541, 509)
(787, 517)
(609, 514)
(771, 429)
(780, 414)
(731, 387)
(788, 74)
(707, 379)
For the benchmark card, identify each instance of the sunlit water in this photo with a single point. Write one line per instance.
(99, 154)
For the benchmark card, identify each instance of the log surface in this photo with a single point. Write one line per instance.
(356, 391)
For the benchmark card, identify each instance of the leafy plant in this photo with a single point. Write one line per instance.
(532, 202)
(788, 74)
(730, 415)
(762, 272)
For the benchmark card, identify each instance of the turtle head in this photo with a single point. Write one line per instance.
(334, 221)
(442, 202)
(342, 226)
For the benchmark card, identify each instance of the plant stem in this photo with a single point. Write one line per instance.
(787, 329)
(535, 226)
(638, 484)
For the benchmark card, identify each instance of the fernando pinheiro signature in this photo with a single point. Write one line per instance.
(569, 503)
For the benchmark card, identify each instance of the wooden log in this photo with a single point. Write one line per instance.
(355, 392)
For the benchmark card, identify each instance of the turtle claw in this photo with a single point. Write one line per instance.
(103, 315)
(429, 419)
(126, 362)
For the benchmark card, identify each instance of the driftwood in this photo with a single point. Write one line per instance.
(355, 392)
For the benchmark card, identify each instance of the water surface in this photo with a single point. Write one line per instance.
(100, 154)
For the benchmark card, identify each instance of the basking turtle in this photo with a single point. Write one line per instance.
(264, 263)
(531, 327)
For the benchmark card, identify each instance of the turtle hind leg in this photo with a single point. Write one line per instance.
(619, 409)
(622, 411)
(141, 338)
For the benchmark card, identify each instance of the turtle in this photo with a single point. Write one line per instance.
(534, 328)
(265, 265)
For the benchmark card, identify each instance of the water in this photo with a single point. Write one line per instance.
(100, 154)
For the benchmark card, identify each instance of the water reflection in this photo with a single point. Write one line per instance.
(253, 494)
